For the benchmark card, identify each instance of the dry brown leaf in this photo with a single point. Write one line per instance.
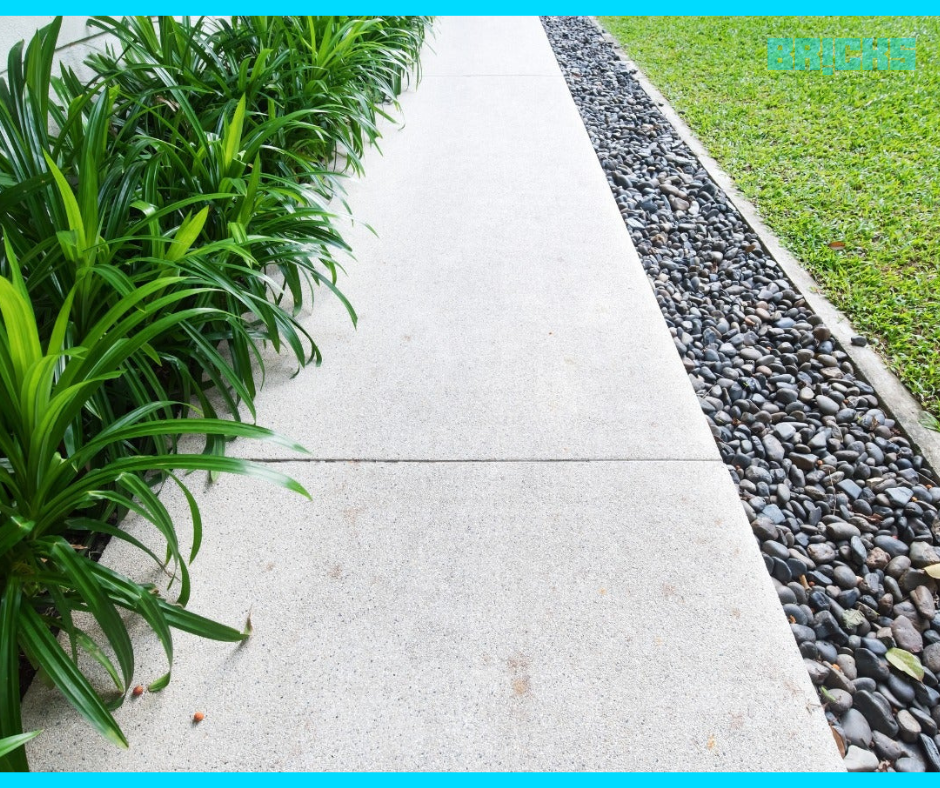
(839, 743)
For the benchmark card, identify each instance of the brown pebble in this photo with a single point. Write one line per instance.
(877, 559)
(198, 716)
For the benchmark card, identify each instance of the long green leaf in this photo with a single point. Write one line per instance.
(72, 211)
(186, 235)
(98, 605)
(36, 639)
(10, 723)
(11, 743)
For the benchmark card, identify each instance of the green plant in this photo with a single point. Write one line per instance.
(135, 207)
(57, 482)
(334, 73)
(346, 68)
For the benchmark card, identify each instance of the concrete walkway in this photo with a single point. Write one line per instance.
(523, 550)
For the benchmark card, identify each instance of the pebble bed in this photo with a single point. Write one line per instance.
(842, 506)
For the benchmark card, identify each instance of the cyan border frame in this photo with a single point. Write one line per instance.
(484, 8)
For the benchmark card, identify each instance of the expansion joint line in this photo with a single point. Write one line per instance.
(475, 461)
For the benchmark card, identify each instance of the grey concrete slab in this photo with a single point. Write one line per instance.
(464, 46)
(596, 615)
(503, 312)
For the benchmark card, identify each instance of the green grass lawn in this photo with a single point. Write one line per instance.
(852, 157)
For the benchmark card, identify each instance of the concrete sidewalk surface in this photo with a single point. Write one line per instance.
(470, 616)
(503, 313)
(523, 551)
